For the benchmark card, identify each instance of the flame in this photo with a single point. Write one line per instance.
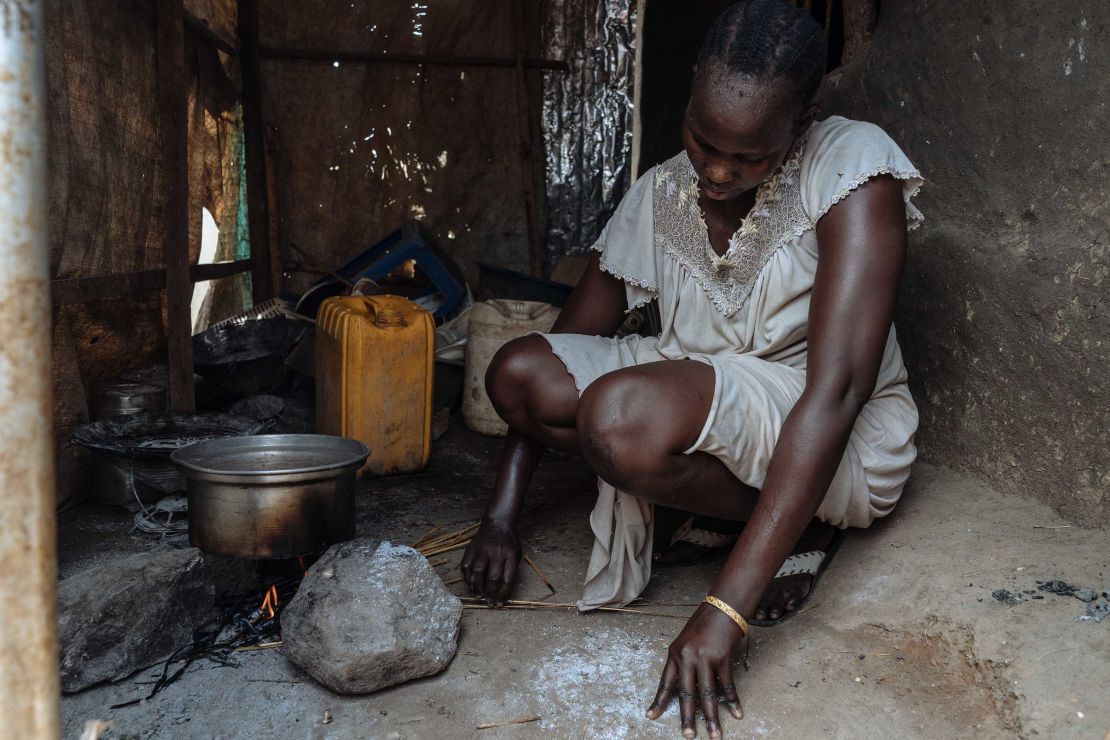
(269, 604)
(300, 562)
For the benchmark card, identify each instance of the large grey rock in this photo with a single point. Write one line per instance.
(131, 613)
(370, 615)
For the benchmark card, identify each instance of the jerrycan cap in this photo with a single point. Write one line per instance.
(388, 317)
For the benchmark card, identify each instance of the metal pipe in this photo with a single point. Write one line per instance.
(29, 685)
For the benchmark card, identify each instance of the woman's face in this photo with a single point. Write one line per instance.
(736, 132)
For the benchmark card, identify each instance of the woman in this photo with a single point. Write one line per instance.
(775, 394)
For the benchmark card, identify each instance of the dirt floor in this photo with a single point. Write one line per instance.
(901, 639)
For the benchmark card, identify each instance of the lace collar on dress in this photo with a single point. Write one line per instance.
(776, 218)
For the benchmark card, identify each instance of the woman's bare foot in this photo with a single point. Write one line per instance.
(786, 593)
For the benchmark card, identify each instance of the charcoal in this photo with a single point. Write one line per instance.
(1057, 587)
(370, 615)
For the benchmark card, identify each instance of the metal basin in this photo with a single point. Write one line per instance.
(131, 454)
(272, 495)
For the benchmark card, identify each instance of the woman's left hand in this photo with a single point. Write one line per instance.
(699, 664)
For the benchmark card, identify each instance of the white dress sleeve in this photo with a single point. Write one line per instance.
(627, 243)
(843, 154)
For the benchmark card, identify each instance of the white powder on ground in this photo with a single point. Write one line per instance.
(605, 683)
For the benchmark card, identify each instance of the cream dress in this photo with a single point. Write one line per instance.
(745, 314)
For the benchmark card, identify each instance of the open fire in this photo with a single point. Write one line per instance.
(268, 608)
(249, 623)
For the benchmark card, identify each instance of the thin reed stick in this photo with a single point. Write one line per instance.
(471, 602)
(539, 573)
(491, 725)
(427, 536)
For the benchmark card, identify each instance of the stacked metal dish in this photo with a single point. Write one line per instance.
(131, 454)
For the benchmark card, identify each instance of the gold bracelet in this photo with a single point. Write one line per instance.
(730, 612)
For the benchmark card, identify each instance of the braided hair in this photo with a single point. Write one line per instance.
(766, 41)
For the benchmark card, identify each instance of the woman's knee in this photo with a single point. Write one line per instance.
(621, 435)
(519, 382)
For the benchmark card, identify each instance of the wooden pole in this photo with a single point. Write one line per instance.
(277, 266)
(172, 114)
(262, 283)
(29, 685)
(524, 122)
(860, 17)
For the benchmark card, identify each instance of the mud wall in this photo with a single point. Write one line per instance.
(1003, 317)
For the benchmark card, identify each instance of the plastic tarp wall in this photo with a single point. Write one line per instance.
(360, 148)
(587, 118)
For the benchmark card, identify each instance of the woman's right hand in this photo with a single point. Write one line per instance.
(490, 563)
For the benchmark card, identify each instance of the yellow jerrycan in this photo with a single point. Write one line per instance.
(374, 377)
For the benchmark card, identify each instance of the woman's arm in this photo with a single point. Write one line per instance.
(595, 307)
(862, 247)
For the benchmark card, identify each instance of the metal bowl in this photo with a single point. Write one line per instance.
(131, 454)
(272, 495)
(248, 357)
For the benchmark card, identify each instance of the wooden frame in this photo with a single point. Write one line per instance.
(363, 57)
(173, 125)
(79, 290)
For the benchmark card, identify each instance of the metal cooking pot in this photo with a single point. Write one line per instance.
(272, 495)
(114, 398)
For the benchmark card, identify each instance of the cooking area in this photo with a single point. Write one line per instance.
(553, 368)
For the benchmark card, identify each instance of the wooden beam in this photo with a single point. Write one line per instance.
(860, 17)
(80, 290)
(217, 270)
(524, 125)
(173, 125)
(277, 265)
(364, 57)
(262, 288)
